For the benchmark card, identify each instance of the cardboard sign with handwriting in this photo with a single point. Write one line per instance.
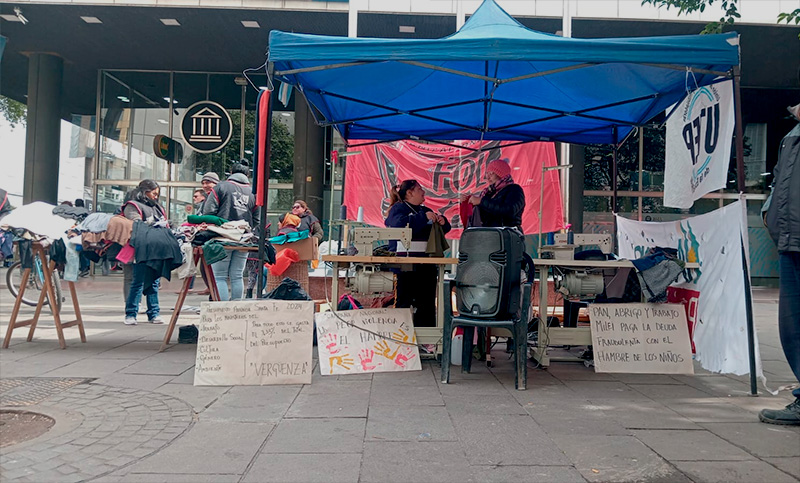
(366, 340)
(254, 342)
(641, 338)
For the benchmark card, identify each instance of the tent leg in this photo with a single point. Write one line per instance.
(748, 302)
(737, 108)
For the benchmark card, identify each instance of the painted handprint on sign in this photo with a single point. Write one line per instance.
(382, 348)
(366, 356)
(330, 343)
(342, 361)
(402, 336)
(404, 355)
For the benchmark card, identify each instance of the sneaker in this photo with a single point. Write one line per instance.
(130, 320)
(789, 416)
(156, 320)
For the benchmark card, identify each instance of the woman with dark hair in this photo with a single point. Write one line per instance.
(415, 288)
(307, 220)
(142, 205)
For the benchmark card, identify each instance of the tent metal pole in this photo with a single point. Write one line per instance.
(614, 160)
(748, 303)
(737, 105)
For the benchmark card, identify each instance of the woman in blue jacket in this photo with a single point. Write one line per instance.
(415, 288)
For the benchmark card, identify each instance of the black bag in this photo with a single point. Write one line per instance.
(187, 334)
(289, 289)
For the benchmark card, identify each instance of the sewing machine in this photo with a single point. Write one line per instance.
(364, 237)
(566, 251)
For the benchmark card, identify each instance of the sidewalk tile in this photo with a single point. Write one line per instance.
(304, 468)
(333, 435)
(506, 440)
(760, 439)
(616, 458)
(732, 471)
(409, 423)
(237, 443)
(676, 445)
(403, 462)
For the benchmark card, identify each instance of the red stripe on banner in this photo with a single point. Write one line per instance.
(264, 99)
(446, 172)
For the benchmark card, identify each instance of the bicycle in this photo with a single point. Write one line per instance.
(35, 283)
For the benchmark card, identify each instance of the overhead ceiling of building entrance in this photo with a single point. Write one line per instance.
(213, 40)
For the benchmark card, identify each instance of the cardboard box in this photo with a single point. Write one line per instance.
(304, 248)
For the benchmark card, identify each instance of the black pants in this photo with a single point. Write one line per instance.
(789, 311)
(417, 289)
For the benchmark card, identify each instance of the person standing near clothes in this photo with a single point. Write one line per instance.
(232, 200)
(416, 288)
(198, 197)
(142, 206)
(782, 218)
(502, 202)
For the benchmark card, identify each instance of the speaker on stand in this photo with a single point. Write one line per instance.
(488, 276)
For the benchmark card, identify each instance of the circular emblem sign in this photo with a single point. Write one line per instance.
(206, 127)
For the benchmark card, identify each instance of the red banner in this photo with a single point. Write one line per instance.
(446, 172)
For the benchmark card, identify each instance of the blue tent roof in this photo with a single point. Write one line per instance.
(495, 79)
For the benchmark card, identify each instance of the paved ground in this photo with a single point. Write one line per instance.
(125, 412)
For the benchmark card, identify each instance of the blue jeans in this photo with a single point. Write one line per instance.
(135, 294)
(231, 266)
(789, 311)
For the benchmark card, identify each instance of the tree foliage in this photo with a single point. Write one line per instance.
(729, 8)
(14, 112)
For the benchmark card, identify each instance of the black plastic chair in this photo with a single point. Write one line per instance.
(517, 327)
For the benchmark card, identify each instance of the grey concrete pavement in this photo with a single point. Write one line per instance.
(125, 412)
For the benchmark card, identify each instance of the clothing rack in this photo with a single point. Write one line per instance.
(48, 291)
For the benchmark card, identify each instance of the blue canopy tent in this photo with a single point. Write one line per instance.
(495, 79)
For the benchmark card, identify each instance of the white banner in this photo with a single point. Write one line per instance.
(698, 145)
(714, 240)
(366, 340)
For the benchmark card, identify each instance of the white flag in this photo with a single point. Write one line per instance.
(698, 145)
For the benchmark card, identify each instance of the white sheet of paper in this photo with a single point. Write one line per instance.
(346, 349)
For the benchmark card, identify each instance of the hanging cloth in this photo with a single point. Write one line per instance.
(437, 243)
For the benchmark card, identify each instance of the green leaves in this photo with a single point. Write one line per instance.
(14, 112)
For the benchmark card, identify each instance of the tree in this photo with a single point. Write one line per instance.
(14, 112)
(729, 7)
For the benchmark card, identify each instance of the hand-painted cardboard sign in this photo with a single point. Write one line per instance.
(254, 342)
(641, 338)
(366, 340)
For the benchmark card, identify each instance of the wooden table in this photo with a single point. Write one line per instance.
(425, 335)
(199, 260)
(48, 290)
(572, 336)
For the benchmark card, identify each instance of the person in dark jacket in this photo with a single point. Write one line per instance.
(782, 211)
(142, 205)
(503, 202)
(233, 200)
(307, 220)
(415, 288)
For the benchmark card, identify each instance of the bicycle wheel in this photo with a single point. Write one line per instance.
(32, 291)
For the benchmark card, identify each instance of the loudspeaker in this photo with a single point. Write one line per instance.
(488, 276)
